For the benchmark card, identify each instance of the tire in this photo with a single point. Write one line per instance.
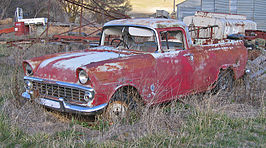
(122, 104)
(225, 81)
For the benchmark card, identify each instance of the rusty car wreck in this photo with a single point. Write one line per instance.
(153, 57)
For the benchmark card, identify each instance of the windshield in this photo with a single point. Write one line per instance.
(126, 37)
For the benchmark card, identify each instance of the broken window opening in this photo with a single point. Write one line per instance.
(172, 40)
(136, 38)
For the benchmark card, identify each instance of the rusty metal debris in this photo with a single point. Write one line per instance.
(257, 68)
(98, 7)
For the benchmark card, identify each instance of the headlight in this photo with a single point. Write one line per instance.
(83, 77)
(28, 85)
(88, 97)
(29, 70)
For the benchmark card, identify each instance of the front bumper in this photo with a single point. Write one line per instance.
(63, 106)
(61, 96)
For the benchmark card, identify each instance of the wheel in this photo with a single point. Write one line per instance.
(116, 111)
(122, 105)
(120, 41)
(225, 81)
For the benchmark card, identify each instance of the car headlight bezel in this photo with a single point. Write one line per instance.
(83, 77)
(28, 69)
(89, 96)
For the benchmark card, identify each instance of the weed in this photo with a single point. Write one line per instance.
(3, 51)
(101, 125)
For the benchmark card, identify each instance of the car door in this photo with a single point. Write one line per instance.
(174, 75)
(174, 66)
(204, 66)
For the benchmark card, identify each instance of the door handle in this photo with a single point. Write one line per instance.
(189, 55)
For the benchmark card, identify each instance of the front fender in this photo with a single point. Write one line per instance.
(109, 76)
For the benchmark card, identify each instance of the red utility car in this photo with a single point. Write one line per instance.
(155, 58)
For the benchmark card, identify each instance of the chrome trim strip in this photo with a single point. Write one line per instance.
(128, 25)
(32, 78)
(49, 103)
(26, 95)
(59, 83)
(66, 107)
(84, 109)
(74, 86)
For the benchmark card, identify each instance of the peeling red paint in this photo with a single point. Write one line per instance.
(158, 77)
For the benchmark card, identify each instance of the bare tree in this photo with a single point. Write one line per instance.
(115, 8)
(5, 4)
(71, 9)
(39, 6)
(102, 10)
(32, 9)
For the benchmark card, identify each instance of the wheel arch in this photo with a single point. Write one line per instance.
(221, 69)
(226, 68)
(124, 88)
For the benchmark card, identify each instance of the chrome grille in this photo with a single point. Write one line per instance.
(54, 90)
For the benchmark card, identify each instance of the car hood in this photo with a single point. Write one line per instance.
(62, 67)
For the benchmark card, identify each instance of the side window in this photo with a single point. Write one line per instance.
(172, 40)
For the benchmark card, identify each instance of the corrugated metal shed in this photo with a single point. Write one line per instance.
(253, 9)
(260, 14)
(208, 5)
(188, 8)
(221, 6)
(245, 7)
(233, 6)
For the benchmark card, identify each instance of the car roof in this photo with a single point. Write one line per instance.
(152, 23)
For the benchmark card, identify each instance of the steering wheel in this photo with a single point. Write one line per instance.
(120, 41)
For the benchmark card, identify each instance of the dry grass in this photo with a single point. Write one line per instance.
(234, 119)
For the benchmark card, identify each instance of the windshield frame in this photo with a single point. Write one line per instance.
(101, 43)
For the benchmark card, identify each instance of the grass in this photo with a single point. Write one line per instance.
(3, 51)
(11, 137)
(98, 124)
(207, 129)
(210, 129)
(201, 129)
(204, 122)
